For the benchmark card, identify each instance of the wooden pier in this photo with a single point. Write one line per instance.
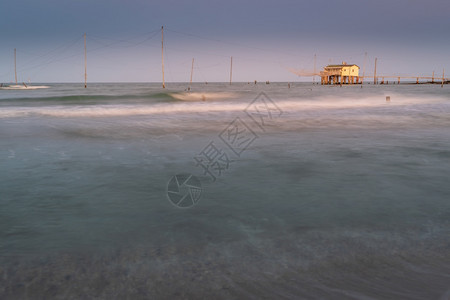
(410, 79)
(348, 74)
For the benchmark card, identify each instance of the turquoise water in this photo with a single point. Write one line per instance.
(338, 195)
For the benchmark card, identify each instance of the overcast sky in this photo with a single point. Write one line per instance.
(265, 38)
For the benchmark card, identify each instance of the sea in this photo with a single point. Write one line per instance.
(218, 191)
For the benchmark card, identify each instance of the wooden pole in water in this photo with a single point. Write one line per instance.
(231, 69)
(375, 72)
(364, 67)
(162, 56)
(314, 76)
(15, 66)
(85, 62)
(443, 73)
(432, 78)
(192, 71)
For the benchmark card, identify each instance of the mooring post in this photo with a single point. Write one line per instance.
(162, 57)
(85, 62)
(375, 72)
(231, 69)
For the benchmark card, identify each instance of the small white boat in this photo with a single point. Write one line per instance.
(22, 86)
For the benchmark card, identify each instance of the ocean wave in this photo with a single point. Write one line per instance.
(95, 97)
(196, 96)
(176, 103)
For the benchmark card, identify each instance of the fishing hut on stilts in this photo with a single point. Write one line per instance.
(340, 74)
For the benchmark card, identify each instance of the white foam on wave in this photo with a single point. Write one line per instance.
(193, 96)
(331, 102)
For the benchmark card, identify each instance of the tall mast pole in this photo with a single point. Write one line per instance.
(162, 56)
(231, 69)
(85, 62)
(192, 71)
(364, 65)
(314, 76)
(15, 66)
(375, 72)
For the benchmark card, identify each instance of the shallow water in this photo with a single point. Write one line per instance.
(337, 195)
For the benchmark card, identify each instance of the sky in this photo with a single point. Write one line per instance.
(265, 38)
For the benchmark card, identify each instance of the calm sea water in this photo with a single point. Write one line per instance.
(312, 192)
